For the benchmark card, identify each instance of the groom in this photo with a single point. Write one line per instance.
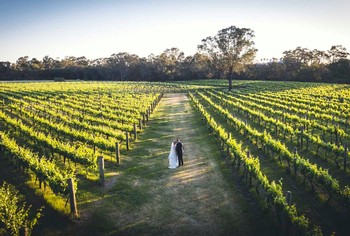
(179, 151)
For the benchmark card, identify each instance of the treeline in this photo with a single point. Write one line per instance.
(300, 64)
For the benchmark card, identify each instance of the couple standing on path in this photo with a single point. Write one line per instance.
(175, 155)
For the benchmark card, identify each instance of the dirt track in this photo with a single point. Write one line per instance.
(150, 199)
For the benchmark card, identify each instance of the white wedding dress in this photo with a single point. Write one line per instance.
(173, 160)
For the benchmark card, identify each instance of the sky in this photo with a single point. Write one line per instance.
(99, 28)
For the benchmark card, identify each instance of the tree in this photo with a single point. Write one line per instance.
(120, 64)
(340, 70)
(230, 50)
(275, 70)
(35, 64)
(5, 66)
(299, 56)
(82, 62)
(337, 52)
(22, 63)
(319, 58)
(48, 62)
(170, 62)
(69, 62)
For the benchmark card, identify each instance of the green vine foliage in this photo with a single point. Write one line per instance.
(43, 169)
(14, 217)
(311, 171)
(273, 190)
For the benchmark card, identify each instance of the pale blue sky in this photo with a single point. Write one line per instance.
(99, 28)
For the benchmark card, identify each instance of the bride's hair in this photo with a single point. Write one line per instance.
(175, 141)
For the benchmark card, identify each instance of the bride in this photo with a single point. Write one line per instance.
(173, 161)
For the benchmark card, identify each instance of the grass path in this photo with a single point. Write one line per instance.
(146, 198)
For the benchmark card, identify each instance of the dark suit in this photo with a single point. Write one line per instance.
(179, 149)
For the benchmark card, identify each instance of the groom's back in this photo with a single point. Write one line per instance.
(179, 147)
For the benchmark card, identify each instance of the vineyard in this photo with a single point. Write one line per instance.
(54, 134)
(287, 142)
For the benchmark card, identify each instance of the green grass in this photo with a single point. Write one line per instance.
(143, 197)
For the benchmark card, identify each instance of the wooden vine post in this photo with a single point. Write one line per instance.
(336, 134)
(345, 155)
(249, 172)
(135, 132)
(228, 147)
(144, 119)
(289, 198)
(301, 136)
(147, 114)
(246, 172)
(127, 140)
(72, 199)
(295, 160)
(140, 124)
(276, 126)
(117, 153)
(101, 167)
